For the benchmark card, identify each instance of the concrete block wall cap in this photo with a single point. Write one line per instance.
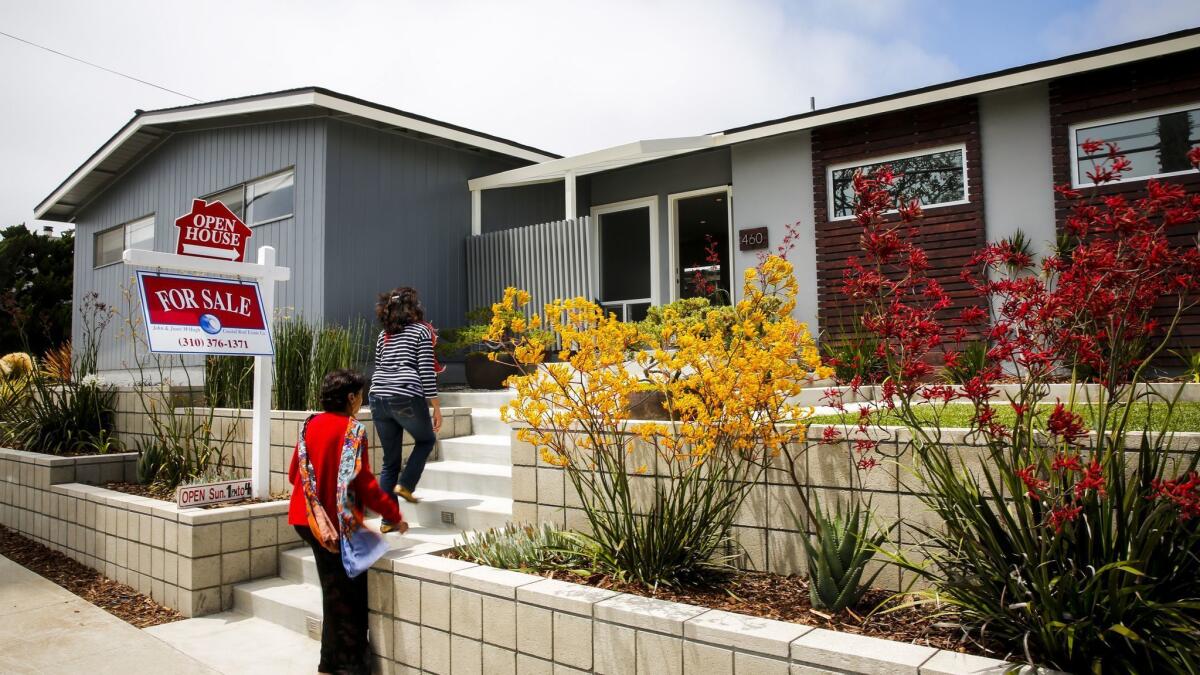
(430, 567)
(201, 517)
(483, 579)
(564, 596)
(765, 636)
(954, 663)
(98, 496)
(105, 459)
(859, 653)
(648, 613)
(273, 508)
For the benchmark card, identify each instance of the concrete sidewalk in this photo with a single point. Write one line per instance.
(46, 629)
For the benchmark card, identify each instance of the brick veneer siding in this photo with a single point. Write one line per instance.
(1112, 92)
(949, 234)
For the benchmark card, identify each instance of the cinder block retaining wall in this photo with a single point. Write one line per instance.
(185, 559)
(765, 526)
(133, 425)
(435, 615)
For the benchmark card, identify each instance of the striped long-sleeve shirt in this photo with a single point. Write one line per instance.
(404, 364)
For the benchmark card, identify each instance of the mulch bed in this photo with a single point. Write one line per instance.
(117, 599)
(785, 598)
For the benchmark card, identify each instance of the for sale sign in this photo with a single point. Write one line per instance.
(202, 315)
(212, 493)
(211, 230)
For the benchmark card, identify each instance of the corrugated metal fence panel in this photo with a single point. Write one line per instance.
(551, 261)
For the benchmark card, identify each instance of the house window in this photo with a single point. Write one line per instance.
(261, 201)
(1156, 143)
(108, 246)
(110, 243)
(934, 177)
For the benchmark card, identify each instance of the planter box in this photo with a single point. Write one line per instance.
(188, 560)
(434, 614)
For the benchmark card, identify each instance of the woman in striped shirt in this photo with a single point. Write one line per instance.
(403, 389)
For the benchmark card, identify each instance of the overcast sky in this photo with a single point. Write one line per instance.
(564, 76)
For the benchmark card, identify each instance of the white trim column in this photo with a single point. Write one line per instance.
(476, 212)
(570, 207)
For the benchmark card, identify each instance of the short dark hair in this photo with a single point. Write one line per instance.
(337, 387)
(398, 308)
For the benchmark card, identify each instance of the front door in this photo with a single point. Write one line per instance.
(701, 245)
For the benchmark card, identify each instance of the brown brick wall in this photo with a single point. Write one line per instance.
(949, 234)
(1143, 86)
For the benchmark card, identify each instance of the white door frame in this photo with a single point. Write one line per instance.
(629, 204)
(673, 234)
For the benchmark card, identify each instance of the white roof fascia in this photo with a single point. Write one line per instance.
(167, 117)
(279, 103)
(1017, 79)
(592, 162)
(422, 126)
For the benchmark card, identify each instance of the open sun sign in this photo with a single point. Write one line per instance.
(211, 230)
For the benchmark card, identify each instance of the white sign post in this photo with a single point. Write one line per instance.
(267, 274)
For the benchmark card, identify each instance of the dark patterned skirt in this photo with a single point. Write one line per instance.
(344, 646)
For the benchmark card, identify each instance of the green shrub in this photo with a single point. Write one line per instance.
(229, 381)
(526, 548)
(971, 362)
(293, 362)
(71, 417)
(854, 355)
(335, 346)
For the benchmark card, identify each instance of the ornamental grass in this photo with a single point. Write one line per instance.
(660, 498)
(1079, 550)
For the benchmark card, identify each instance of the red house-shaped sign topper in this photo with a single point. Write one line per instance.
(211, 230)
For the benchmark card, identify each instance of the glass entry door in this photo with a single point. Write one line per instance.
(625, 258)
(701, 239)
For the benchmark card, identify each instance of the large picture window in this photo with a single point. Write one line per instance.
(263, 200)
(933, 177)
(1156, 143)
(107, 245)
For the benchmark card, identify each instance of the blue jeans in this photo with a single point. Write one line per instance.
(393, 415)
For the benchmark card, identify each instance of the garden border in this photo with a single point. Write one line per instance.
(435, 614)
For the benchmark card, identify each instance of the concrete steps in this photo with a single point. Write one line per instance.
(460, 510)
(479, 448)
(485, 480)
(487, 421)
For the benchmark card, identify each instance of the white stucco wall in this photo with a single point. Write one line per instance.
(773, 187)
(1018, 183)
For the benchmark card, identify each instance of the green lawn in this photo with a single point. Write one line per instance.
(1186, 416)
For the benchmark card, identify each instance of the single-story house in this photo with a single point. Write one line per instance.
(358, 197)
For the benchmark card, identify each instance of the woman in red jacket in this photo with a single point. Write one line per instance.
(344, 645)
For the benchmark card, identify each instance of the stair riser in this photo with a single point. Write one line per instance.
(430, 515)
(292, 618)
(480, 454)
(468, 483)
(463, 399)
(487, 424)
(298, 569)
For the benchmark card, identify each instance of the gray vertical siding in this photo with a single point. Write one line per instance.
(192, 164)
(506, 208)
(660, 178)
(398, 212)
(551, 260)
(772, 188)
(1014, 131)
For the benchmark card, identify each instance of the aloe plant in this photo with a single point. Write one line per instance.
(838, 555)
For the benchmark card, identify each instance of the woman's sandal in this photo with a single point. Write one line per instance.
(406, 494)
